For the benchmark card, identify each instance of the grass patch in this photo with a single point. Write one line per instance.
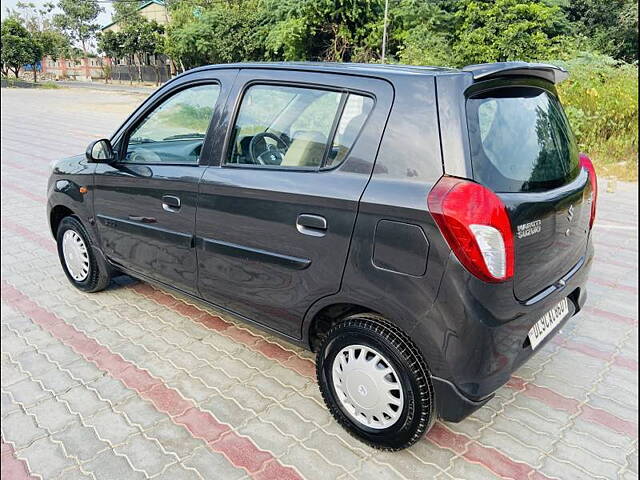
(601, 100)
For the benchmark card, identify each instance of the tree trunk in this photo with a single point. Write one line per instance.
(35, 74)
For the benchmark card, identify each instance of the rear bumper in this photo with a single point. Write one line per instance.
(483, 331)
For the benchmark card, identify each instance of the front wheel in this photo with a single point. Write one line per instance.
(84, 269)
(375, 382)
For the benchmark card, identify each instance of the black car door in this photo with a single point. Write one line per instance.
(276, 214)
(145, 202)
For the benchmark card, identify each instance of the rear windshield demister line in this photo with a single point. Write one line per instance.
(520, 140)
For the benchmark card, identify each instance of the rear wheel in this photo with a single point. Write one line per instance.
(84, 269)
(375, 382)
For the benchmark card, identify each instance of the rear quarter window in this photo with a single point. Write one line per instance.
(520, 140)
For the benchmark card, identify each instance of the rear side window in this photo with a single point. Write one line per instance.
(520, 140)
(296, 127)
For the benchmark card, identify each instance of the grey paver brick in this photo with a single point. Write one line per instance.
(83, 401)
(20, 429)
(28, 392)
(212, 465)
(266, 436)
(111, 426)
(109, 466)
(177, 471)
(111, 389)
(226, 410)
(46, 458)
(174, 438)
(370, 469)
(52, 415)
(249, 398)
(310, 463)
(140, 412)
(333, 448)
(145, 454)
(463, 470)
(7, 405)
(561, 469)
(81, 442)
(595, 464)
(288, 421)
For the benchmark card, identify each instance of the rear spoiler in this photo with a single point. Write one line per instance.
(548, 72)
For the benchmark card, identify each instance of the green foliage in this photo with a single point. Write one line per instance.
(508, 30)
(221, 33)
(18, 46)
(610, 26)
(78, 19)
(601, 101)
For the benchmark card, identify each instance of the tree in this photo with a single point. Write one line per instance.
(110, 45)
(611, 27)
(502, 30)
(220, 33)
(17, 46)
(78, 20)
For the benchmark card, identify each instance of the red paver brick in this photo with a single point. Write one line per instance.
(609, 420)
(273, 351)
(11, 468)
(443, 437)
(201, 424)
(497, 462)
(167, 400)
(303, 366)
(616, 317)
(46, 243)
(241, 452)
(274, 471)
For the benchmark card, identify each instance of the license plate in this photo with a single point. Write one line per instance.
(548, 322)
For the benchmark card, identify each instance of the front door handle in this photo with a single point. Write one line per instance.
(314, 225)
(170, 203)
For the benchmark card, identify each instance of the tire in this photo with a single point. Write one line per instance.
(98, 273)
(377, 336)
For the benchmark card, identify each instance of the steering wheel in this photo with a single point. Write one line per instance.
(143, 155)
(262, 153)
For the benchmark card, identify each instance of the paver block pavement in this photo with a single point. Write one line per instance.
(254, 410)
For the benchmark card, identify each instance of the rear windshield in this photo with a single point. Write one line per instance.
(520, 140)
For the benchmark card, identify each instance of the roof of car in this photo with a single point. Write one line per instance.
(482, 71)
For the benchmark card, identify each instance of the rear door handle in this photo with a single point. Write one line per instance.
(170, 203)
(314, 225)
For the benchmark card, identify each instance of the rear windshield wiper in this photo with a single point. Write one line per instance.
(184, 135)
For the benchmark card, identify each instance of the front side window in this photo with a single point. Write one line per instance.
(174, 132)
(294, 127)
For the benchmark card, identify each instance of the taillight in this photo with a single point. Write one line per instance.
(476, 225)
(585, 162)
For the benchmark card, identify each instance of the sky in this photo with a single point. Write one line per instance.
(103, 19)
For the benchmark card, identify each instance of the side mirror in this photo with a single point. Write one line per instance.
(100, 151)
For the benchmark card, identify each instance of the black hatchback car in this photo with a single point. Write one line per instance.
(424, 230)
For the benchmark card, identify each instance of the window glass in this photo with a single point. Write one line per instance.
(355, 113)
(520, 140)
(283, 126)
(174, 131)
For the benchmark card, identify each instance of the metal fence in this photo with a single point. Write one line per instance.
(128, 73)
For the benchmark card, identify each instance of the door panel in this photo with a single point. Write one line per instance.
(271, 241)
(145, 204)
(137, 231)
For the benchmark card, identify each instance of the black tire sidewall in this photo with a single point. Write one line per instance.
(403, 432)
(90, 283)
